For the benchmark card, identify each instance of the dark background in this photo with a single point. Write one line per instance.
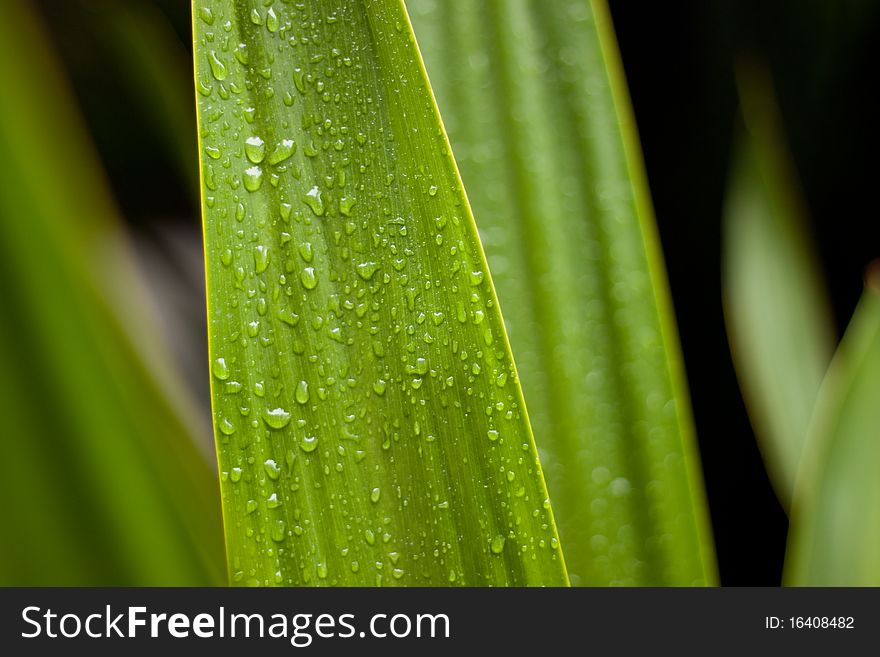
(678, 56)
(678, 59)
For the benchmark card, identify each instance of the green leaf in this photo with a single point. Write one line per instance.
(102, 482)
(776, 307)
(534, 97)
(834, 539)
(368, 417)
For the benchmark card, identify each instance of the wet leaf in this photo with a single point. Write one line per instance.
(368, 416)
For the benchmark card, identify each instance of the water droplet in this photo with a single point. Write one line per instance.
(235, 475)
(226, 427)
(241, 54)
(271, 20)
(253, 178)
(366, 270)
(276, 418)
(219, 368)
(287, 316)
(218, 68)
(346, 203)
(497, 545)
(309, 443)
(308, 278)
(261, 258)
(493, 434)
(206, 15)
(313, 199)
(213, 153)
(476, 277)
(283, 150)
(432, 190)
(255, 149)
(279, 531)
(379, 386)
(375, 494)
(302, 392)
(272, 469)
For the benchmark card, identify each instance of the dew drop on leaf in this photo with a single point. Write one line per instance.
(253, 178)
(218, 68)
(314, 200)
(308, 278)
(346, 203)
(261, 258)
(276, 418)
(366, 270)
(255, 149)
(219, 368)
(282, 151)
(272, 469)
(279, 531)
(271, 20)
(302, 392)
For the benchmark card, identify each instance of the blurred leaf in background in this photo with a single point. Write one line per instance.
(835, 524)
(535, 101)
(103, 482)
(778, 315)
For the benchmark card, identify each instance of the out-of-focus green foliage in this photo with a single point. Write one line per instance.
(777, 312)
(834, 538)
(368, 417)
(153, 64)
(534, 97)
(101, 482)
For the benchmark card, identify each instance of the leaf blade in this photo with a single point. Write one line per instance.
(537, 109)
(436, 392)
(834, 538)
(776, 307)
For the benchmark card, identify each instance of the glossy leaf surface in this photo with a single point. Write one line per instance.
(369, 420)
